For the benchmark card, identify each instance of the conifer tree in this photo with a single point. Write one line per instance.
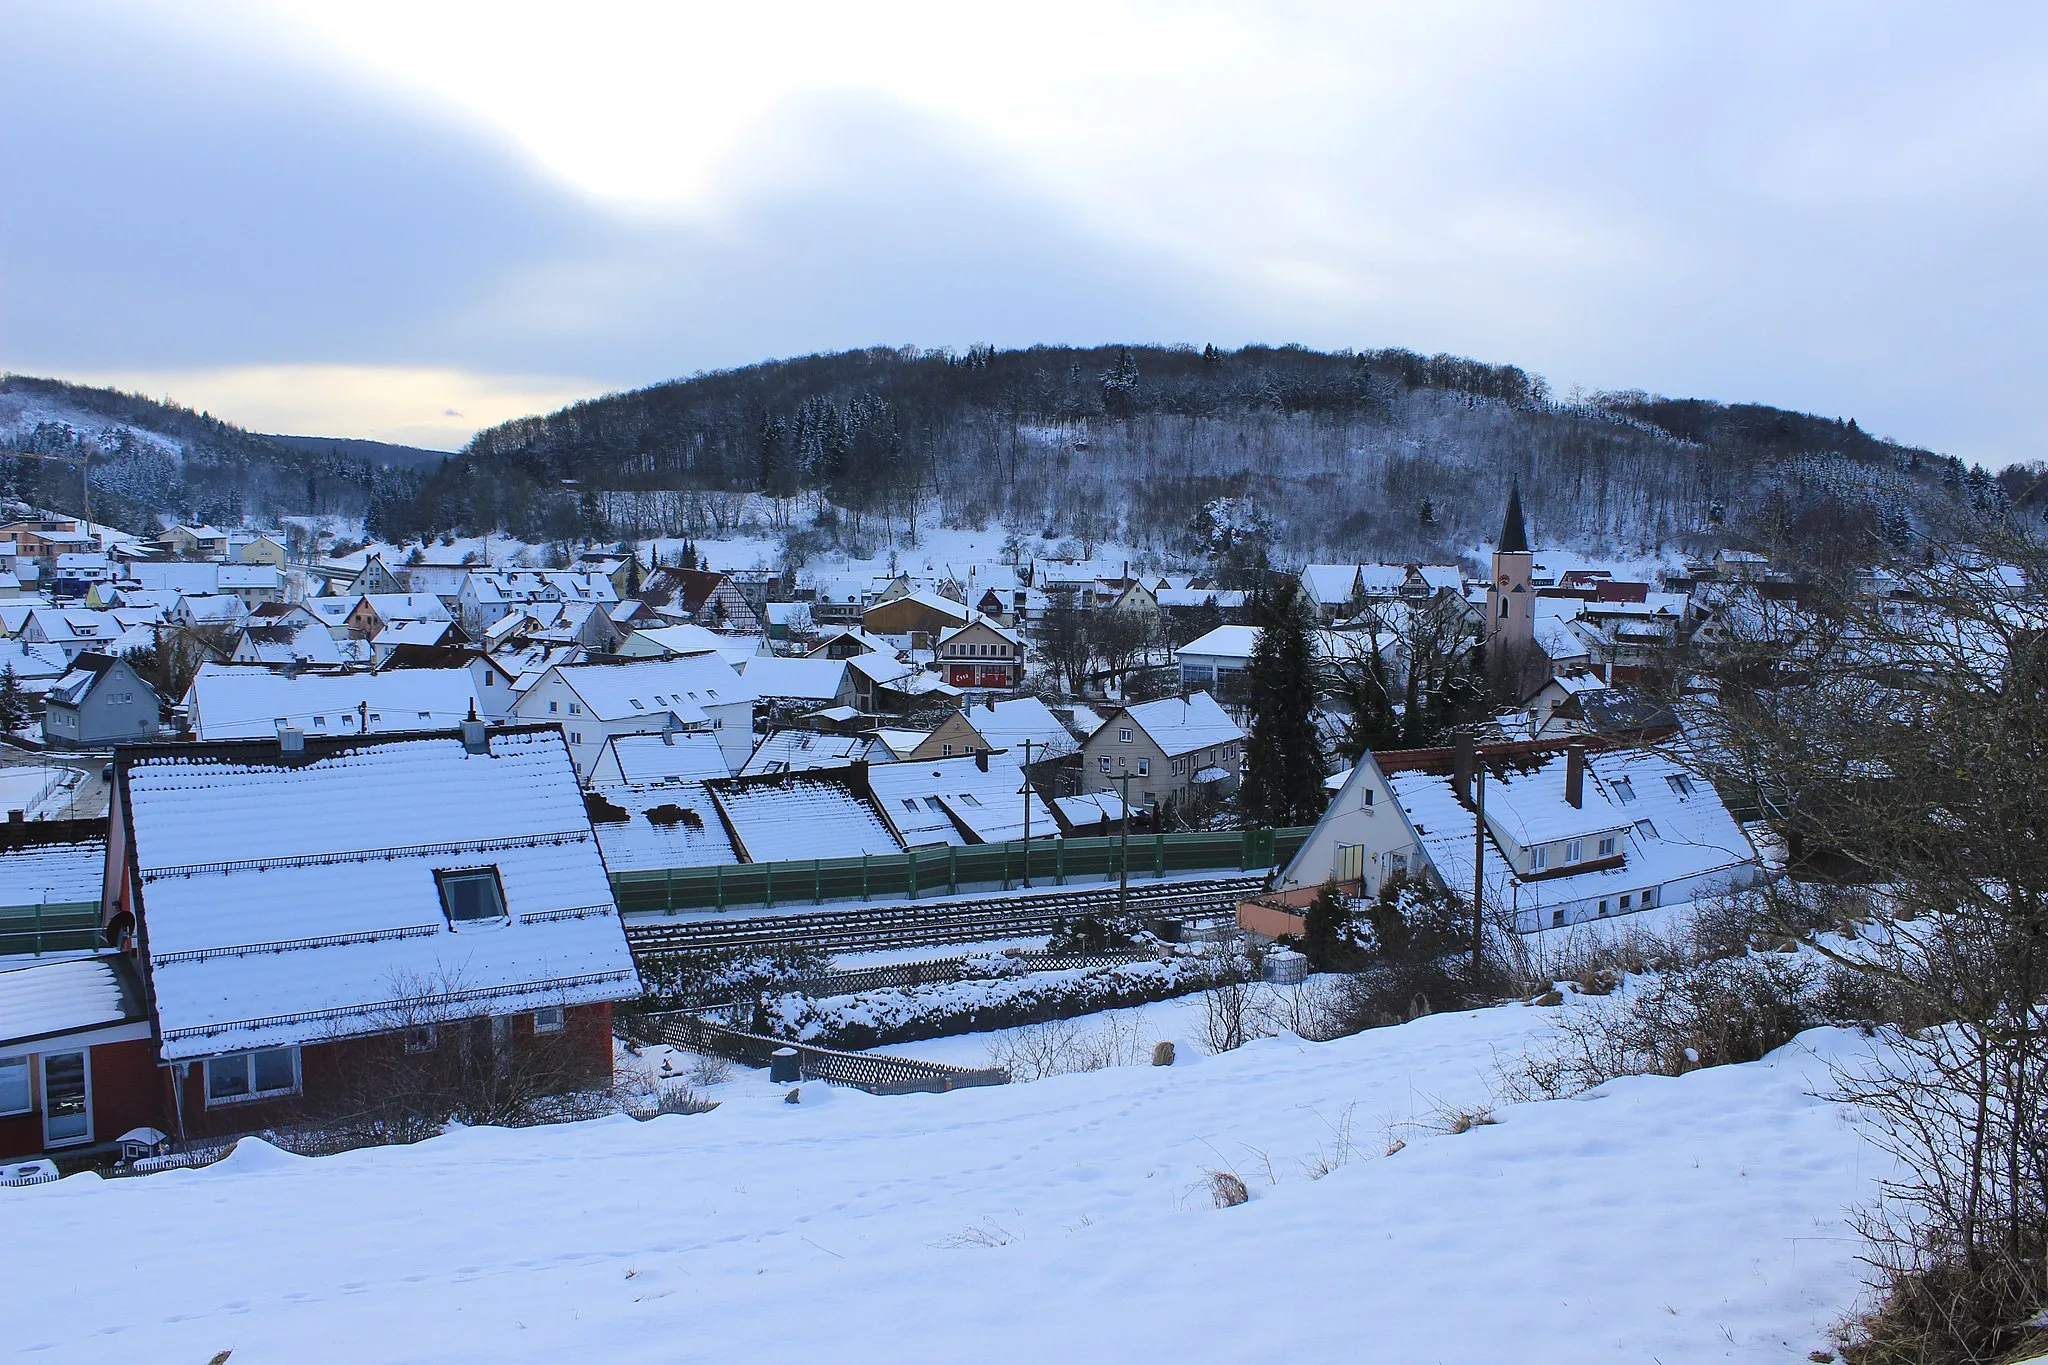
(1283, 781)
(13, 703)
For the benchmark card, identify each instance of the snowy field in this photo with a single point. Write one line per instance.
(1068, 1219)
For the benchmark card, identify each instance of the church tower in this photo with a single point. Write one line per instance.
(1510, 600)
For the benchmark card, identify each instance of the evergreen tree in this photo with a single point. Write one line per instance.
(1428, 517)
(1326, 938)
(13, 702)
(1283, 781)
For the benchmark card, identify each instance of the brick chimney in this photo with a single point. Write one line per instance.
(1575, 776)
(1462, 760)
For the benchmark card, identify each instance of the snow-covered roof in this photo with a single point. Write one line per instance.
(31, 662)
(1200, 597)
(53, 863)
(693, 639)
(984, 623)
(1181, 725)
(229, 701)
(1224, 642)
(1671, 835)
(795, 679)
(1330, 584)
(1008, 724)
(685, 830)
(1526, 801)
(407, 606)
(413, 633)
(247, 577)
(213, 609)
(640, 687)
(924, 800)
(1089, 809)
(291, 642)
(793, 816)
(673, 756)
(785, 751)
(49, 999)
(289, 900)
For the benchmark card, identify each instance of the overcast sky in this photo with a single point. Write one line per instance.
(406, 221)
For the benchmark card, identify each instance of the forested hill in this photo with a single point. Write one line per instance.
(151, 459)
(1381, 454)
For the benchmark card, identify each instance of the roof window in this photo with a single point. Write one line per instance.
(1624, 790)
(471, 895)
(1679, 783)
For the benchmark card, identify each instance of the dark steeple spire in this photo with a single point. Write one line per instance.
(1513, 538)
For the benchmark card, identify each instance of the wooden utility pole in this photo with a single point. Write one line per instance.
(1478, 854)
(1123, 861)
(1027, 811)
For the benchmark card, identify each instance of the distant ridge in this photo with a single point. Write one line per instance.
(376, 452)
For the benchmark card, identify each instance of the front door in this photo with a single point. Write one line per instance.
(67, 1087)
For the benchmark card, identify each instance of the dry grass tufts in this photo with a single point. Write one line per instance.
(1227, 1190)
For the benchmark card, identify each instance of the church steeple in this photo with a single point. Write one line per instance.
(1514, 537)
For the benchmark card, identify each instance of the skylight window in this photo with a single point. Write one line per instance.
(910, 804)
(933, 803)
(471, 895)
(969, 798)
(1646, 829)
(1625, 790)
(1679, 783)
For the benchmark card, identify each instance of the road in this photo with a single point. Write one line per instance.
(51, 786)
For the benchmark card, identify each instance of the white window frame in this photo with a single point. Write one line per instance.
(421, 1039)
(248, 1063)
(1607, 845)
(1574, 850)
(1539, 857)
(1104, 761)
(443, 875)
(550, 1019)
(1124, 735)
(1144, 767)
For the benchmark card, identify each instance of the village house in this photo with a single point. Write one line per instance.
(975, 799)
(1169, 749)
(287, 636)
(799, 685)
(259, 549)
(1571, 834)
(230, 701)
(195, 542)
(306, 911)
(493, 681)
(701, 596)
(251, 584)
(77, 1060)
(100, 702)
(981, 654)
(654, 760)
(1001, 725)
(922, 616)
(594, 701)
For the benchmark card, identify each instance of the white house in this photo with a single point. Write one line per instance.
(594, 701)
(231, 701)
(1569, 836)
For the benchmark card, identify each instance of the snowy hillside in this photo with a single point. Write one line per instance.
(1678, 1220)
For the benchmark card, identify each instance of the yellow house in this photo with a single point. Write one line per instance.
(263, 550)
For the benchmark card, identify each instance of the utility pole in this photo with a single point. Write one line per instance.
(1027, 812)
(1478, 853)
(1123, 861)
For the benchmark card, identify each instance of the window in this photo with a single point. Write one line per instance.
(1556, 918)
(969, 798)
(1105, 762)
(574, 709)
(910, 804)
(548, 1019)
(1178, 764)
(934, 805)
(1124, 736)
(1144, 767)
(945, 751)
(1367, 802)
(1539, 857)
(1573, 850)
(551, 708)
(420, 1038)
(471, 895)
(1649, 897)
(1607, 847)
(1679, 783)
(1624, 790)
(1646, 829)
(636, 703)
(252, 1075)
(575, 736)
(14, 1096)
(1625, 903)
(1603, 907)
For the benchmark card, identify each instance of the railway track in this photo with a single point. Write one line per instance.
(917, 924)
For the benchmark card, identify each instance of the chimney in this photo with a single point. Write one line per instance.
(291, 739)
(1461, 764)
(475, 737)
(981, 759)
(1575, 776)
(16, 817)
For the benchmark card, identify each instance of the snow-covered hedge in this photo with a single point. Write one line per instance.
(905, 1015)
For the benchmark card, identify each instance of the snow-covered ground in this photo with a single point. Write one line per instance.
(1654, 1219)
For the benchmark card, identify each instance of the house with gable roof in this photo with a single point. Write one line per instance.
(100, 701)
(594, 701)
(982, 654)
(1573, 832)
(307, 911)
(1168, 748)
